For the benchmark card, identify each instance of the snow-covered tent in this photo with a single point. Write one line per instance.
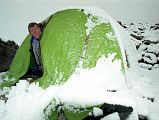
(72, 38)
(74, 43)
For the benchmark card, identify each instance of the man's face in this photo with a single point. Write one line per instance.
(35, 31)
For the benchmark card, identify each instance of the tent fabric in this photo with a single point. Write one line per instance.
(61, 46)
(80, 115)
(70, 115)
(64, 44)
(19, 66)
(100, 44)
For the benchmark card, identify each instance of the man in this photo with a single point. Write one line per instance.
(35, 31)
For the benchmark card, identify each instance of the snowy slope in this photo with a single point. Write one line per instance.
(145, 39)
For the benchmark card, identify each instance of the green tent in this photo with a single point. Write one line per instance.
(64, 43)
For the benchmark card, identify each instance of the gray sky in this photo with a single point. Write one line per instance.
(16, 14)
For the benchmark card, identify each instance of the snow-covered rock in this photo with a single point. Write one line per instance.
(146, 40)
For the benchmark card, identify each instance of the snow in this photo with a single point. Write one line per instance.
(114, 116)
(74, 92)
(21, 103)
(142, 48)
(93, 87)
(145, 87)
(1, 74)
(97, 111)
(6, 78)
(150, 58)
(154, 48)
(90, 24)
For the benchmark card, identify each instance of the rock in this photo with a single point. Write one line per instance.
(137, 37)
(135, 31)
(7, 52)
(121, 24)
(155, 27)
(137, 46)
(148, 42)
(141, 29)
(108, 109)
(3, 97)
(131, 23)
(142, 117)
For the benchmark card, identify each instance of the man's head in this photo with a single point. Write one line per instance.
(34, 29)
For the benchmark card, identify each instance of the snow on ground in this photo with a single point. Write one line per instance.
(80, 90)
(113, 116)
(140, 89)
(146, 69)
(97, 111)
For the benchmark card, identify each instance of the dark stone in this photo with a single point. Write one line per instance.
(131, 23)
(135, 31)
(157, 24)
(7, 52)
(141, 60)
(142, 117)
(123, 111)
(141, 29)
(111, 90)
(137, 46)
(149, 68)
(121, 24)
(3, 97)
(148, 42)
(151, 99)
(137, 37)
(155, 27)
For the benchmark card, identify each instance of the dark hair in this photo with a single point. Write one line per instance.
(32, 24)
(40, 26)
